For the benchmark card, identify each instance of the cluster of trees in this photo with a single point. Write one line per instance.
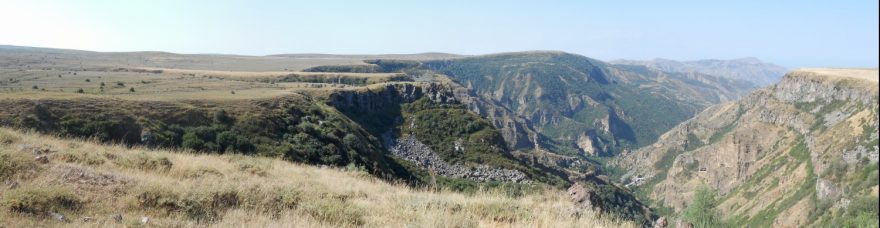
(297, 130)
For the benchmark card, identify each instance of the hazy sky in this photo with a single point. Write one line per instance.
(791, 33)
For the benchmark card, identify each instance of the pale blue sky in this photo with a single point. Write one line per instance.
(791, 33)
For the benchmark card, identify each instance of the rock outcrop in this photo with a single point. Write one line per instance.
(810, 135)
(411, 149)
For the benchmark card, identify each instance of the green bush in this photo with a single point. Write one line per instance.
(701, 211)
(200, 139)
(39, 200)
(229, 140)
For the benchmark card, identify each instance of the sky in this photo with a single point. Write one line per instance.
(840, 33)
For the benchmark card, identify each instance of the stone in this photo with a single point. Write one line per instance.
(683, 224)
(11, 184)
(411, 149)
(144, 220)
(661, 222)
(58, 216)
(584, 198)
(117, 218)
(42, 159)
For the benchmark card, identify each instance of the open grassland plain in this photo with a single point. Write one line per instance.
(49, 182)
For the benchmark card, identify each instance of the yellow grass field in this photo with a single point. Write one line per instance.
(90, 183)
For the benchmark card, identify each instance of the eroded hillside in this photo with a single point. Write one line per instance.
(802, 152)
(585, 106)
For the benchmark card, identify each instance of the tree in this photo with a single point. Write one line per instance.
(701, 211)
(131, 90)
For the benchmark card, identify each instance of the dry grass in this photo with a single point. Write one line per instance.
(864, 74)
(89, 183)
(168, 85)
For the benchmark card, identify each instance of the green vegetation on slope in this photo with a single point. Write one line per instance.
(566, 95)
(294, 128)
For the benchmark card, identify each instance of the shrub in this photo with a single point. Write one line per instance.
(7, 138)
(145, 161)
(14, 163)
(208, 206)
(39, 200)
(229, 140)
(202, 205)
(701, 211)
(498, 211)
(336, 211)
(253, 166)
(200, 139)
(157, 197)
(280, 200)
(81, 157)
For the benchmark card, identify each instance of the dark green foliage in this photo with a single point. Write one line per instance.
(296, 129)
(440, 126)
(200, 139)
(104, 127)
(229, 140)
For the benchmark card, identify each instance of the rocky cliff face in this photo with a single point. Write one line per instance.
(411, 149)
(378, 99)
(796, 153)
(583, 106)
(385, 112)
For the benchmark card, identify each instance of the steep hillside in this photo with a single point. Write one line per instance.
(74, 183)
(393, 118)
(748, 69)
(802, 152)
(587, 106)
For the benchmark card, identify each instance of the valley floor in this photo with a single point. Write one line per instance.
(95, 185)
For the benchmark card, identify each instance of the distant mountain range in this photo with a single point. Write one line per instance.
(749, 69)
